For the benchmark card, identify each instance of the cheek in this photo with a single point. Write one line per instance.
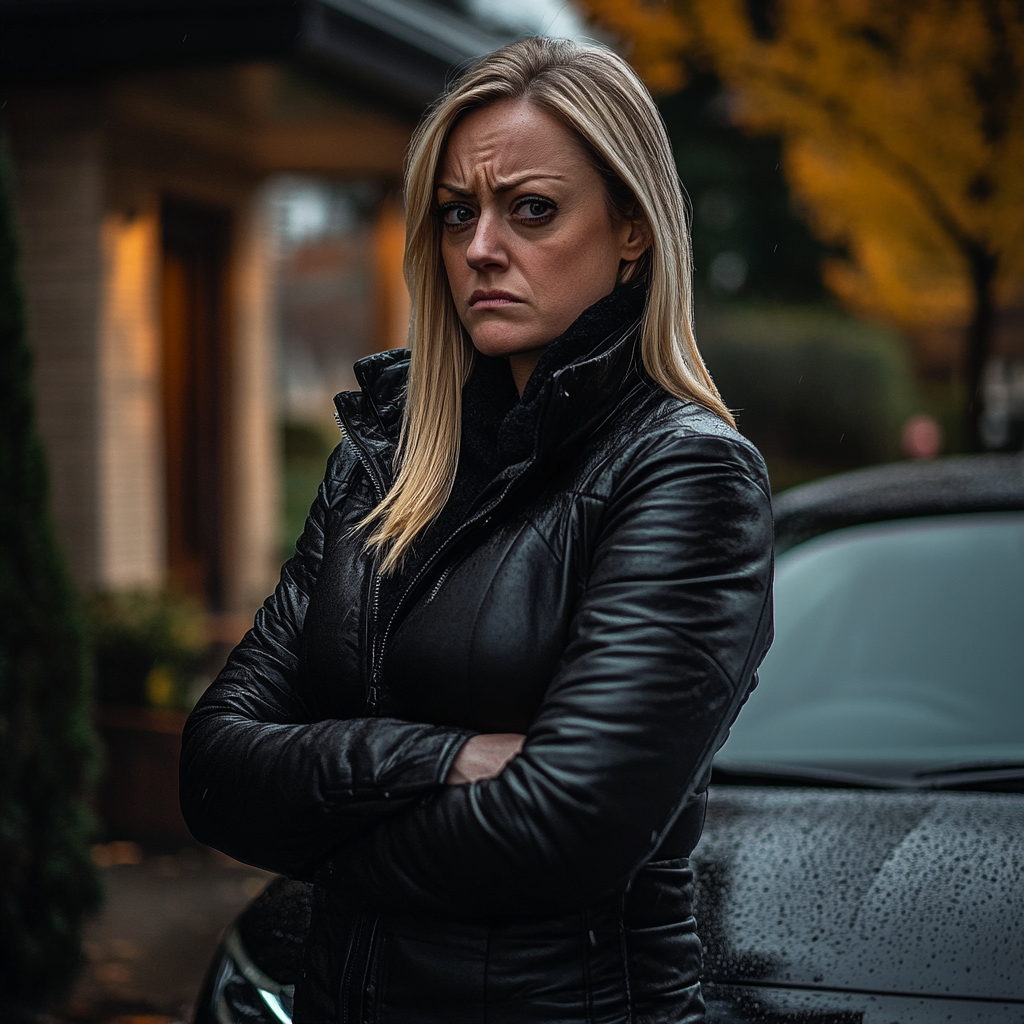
(449, 257)
(589, 253)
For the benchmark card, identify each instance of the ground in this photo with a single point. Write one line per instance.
(148, 949)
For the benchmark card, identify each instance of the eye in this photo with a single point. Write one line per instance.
(456, 215)
(535, 209)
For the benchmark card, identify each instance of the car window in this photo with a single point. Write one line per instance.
(897, 644)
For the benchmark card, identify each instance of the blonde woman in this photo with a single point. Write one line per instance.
(479, 710)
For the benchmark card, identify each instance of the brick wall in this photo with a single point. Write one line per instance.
(58, 155)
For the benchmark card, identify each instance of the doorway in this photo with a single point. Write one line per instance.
(194, 302)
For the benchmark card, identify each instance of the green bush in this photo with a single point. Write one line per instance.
(48, 750)
(149, 646)
(306, 448)
(817, 391)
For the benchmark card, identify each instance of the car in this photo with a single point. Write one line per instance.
(863, 853)
(862, 860)
(253, 974)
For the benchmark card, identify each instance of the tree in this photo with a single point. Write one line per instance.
(742, 206)
(656, 35)
(903, 130)
(47, 745)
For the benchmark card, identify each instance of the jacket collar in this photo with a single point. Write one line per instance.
(372, 417)
(577, 380)
(580, 380)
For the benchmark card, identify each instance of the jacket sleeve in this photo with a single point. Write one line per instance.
(263, 781)
(675, 617)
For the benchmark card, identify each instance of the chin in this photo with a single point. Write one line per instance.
(502, 343)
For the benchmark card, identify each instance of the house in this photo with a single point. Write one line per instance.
(142, 133)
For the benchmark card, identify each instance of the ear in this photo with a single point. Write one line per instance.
(636, 238)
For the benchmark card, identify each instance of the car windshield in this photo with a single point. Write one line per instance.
(899, 647)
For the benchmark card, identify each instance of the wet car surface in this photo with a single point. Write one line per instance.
(874, 906)
(863, 856)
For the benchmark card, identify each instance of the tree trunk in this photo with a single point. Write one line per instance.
(979, 342)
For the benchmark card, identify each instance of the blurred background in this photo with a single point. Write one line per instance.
(202, 230)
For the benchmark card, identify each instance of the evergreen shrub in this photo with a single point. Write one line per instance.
(149, 648)
(48, 749)
(306, 448)
(816, 390)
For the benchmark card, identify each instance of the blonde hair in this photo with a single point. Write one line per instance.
(597, 96)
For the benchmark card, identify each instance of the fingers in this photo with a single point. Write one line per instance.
(484, 756)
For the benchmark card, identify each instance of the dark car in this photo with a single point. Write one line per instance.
(863, 856)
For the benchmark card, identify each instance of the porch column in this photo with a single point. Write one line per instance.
(132, 540)
(252, 544)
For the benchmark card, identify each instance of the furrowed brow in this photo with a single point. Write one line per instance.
(502, 186)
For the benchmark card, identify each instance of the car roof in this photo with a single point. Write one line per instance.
(900, 490)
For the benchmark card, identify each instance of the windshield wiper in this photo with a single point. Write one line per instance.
(973, 775)
(724, 774)
(995, 775)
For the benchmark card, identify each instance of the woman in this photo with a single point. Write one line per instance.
(479, 710)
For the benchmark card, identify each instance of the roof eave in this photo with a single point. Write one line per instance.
(403, 50)
(400, 51)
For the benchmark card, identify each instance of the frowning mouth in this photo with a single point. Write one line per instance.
(491, 299)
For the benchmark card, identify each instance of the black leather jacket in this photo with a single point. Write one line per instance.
(609, 594)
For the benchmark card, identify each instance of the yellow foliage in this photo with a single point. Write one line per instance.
(161, 687)
(654, 34)
(903, 130)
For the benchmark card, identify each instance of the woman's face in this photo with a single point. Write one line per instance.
(528, 239)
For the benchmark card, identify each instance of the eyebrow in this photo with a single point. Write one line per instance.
(502, 186)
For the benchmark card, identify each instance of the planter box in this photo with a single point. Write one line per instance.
(138, 793)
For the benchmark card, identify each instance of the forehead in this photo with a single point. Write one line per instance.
(510, 139)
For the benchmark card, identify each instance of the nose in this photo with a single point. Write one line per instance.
(486, 250)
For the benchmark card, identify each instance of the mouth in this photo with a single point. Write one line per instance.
(492, 299)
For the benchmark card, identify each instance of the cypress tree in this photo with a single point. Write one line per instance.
(48, 749)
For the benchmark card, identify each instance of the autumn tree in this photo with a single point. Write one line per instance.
(903, 131)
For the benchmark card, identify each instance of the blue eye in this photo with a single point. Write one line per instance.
(456, 215)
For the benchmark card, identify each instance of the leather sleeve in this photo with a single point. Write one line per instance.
(263, 782)
(674, 620)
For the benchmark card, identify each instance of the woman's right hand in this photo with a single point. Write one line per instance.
(483, 756)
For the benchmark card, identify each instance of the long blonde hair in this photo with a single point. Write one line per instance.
(597, 96)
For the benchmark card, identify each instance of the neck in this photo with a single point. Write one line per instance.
(523, 364)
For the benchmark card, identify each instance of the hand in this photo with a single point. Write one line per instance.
(483, 756)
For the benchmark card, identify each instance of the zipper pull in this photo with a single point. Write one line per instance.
(372, 695)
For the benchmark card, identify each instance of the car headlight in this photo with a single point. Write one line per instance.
(243, 994)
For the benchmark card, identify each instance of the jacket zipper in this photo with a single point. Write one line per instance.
(370, 993)
(345, 988)
(438, 584)
(373, 690)
(380, 640)
(376, 482)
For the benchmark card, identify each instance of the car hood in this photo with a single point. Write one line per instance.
(887, 892)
